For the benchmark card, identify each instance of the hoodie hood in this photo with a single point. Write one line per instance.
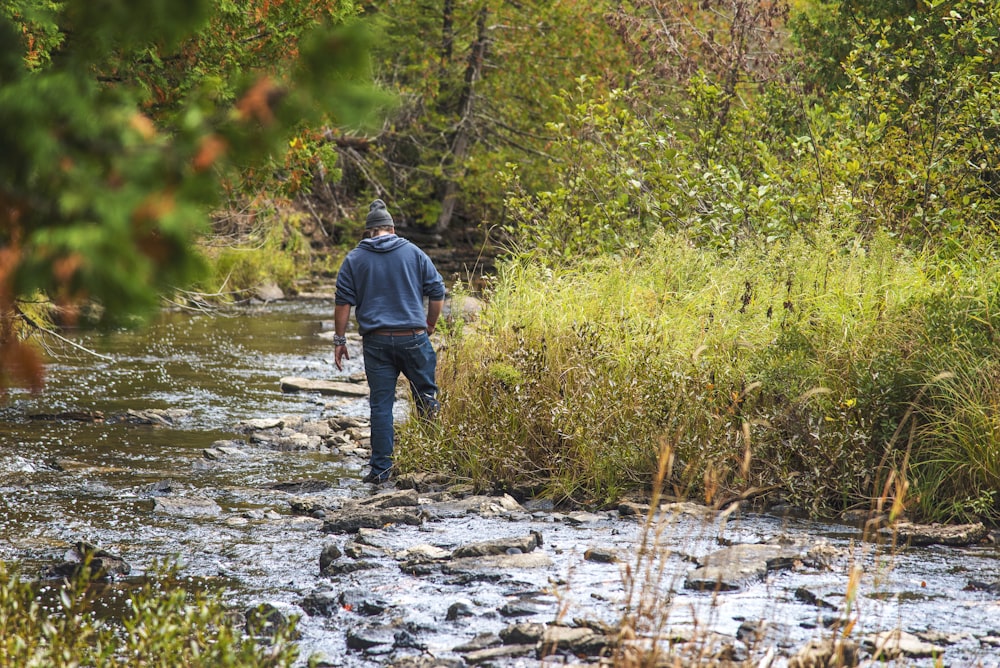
(385, 243)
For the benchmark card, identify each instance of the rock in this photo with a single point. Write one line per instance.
(733, 567)
(301, 486)
(459, 609)
(370, 637)
(523, 544)
(354, 519)
(423, 482)
(261, 424)
(496, 563)
(362, 602)
(311, 505)
(937, 534)
(806, 596)
(331, 552)
(577, 518)
(269, 292)
(293, 442)
(576, 641)
(494, 653)
(825, 653)
(99, 564)
(481, 641)
(323, 387)
(490, 506)
(321, 603)
(602, 555)
(521, 609)
(218, 453)
(345, 566)
(890, 645)
(392, 499)
(695, 510)
(186, 506)
(266, 620)
(423, 554)
(522, 634)
(631, 508)
(426, 662)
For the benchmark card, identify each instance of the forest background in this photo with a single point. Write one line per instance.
(746, 247)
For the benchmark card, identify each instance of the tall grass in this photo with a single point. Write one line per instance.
(785, 368)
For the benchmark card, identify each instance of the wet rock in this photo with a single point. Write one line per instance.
(496, 564)
(301, 486)
(331, 552)
(266, 620)
(362, 602)
(601, 555)
(522, 634)
(294, 442)
(522, 544)
(896, 643)
(689, 509)
(459, 609)
(261, 424)
(347, 422)
(826, 653)
(84, 558)
(323, 387)
(733, 567)
(496, 653)
(356, 550)
(576, 641)
(310, 506)
(937, 534)
(633, 509)
(345, 566)
(370, 637)
(579, 517)
(155, 417)
(980, 585)
(221, 452)
(392, 499)
(158, 488)
(480, 642)
(321, 603)
(423, 554)
(354, 519)
(521, 609)
(806, 596)
(490, 506)
(425, 662)
(186, 506)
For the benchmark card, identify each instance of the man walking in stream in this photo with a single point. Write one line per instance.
(385, 278)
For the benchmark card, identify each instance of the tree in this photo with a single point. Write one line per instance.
(104, 181)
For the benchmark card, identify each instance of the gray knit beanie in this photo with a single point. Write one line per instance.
(377, 215)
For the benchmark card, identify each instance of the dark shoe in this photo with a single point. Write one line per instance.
(378, 478)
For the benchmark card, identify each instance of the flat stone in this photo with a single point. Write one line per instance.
(733, 567)
(572, 639)
(352, 520)
(893, 644)
(262, 424)
(937, 534)
(423, 553)
(819, 653)
(406, 498)
(323, 387)
(502, 652)
(601, 555)
(480, 642)
(186, 506)
(523, 633)
(522, 544)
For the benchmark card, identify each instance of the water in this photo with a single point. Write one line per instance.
(63, 481)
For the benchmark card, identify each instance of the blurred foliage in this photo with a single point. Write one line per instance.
(115, 132)
(164, 625)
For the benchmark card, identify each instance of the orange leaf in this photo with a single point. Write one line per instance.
(209, 150)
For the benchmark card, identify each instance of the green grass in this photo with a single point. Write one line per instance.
(788, 368)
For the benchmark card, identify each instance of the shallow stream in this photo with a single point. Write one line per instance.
(63, 481)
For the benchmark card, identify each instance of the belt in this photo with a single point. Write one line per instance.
(396, 332)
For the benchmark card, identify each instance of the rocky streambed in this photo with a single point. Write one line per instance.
(252, 482)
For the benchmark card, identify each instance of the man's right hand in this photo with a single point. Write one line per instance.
(340, 354)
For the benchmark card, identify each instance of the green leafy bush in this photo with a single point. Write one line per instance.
(165, 624)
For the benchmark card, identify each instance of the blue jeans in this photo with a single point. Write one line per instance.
(385, 358)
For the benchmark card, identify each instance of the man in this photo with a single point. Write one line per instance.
(385, 279)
